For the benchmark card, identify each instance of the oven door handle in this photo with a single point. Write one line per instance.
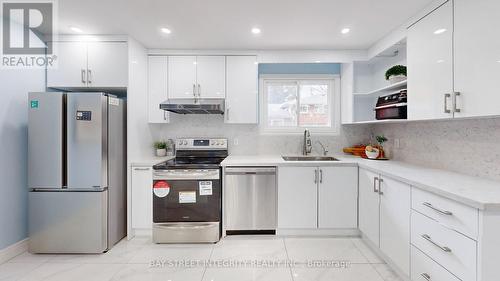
(187, 175)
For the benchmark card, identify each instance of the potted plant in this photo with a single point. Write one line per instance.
(381, 140)
(396, 74)
(161, 148)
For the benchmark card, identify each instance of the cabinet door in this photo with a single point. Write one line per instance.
(242, 93)
(211, 76)
(338, 197)
(107, 64)
(477, 57)
(395, 204)
(71, 68)
(157, 88)
(430, 65)
(369, 203)
(142, 197)
(181, 77)
(297, 197)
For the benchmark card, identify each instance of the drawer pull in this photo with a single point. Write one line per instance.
(426, 276)
(429, 205)
(444, 248)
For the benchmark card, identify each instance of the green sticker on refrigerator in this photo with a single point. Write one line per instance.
(34, 104)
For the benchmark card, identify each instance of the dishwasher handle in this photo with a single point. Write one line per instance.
(250, 171)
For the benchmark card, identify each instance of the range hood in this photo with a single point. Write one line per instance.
(194, 106)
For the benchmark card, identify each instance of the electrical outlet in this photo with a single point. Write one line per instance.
(235, 141)
(397, 144)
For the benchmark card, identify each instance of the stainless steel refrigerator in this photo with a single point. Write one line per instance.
(76, 172)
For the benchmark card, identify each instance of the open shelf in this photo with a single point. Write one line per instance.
(379, 121)
(387, 88)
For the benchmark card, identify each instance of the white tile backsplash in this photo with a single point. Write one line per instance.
(246, 139)
(464, 146)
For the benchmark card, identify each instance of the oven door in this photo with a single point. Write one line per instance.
(187, 196)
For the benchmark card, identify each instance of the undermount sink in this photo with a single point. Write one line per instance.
(309, 158)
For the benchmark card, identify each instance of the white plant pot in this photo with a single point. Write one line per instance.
(161, 152)
(396, 79)
(373, 154)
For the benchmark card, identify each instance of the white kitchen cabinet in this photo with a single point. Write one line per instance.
(369, 206)
(211, 76)
(89, 65)
(395, 205)
(107, 64)
(241, 90)
(182, 77)
(142, 197)
(71, 68)
(337, 197)
(430, 65)
(477, 57)
(297, 197)
(157, 88)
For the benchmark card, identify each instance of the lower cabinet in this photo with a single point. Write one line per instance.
(384, 216)
(317, 197)
(141, 205)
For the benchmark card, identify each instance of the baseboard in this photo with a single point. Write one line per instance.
(13, 250)
(319, 232)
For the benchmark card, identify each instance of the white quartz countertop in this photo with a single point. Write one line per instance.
(476, 192)
(149, 161)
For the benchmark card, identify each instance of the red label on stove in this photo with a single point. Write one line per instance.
(161, 188)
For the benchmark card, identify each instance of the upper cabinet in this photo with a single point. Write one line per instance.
(157, 88)
(242, 90)
(477, 57)
(453, 61)
(430, 65)
(196, 77)
(89, 64)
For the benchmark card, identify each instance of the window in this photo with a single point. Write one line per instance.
(290, 105)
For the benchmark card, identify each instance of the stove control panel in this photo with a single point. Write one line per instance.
(200, 144)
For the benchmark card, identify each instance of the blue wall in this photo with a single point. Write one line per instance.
(16, 84)
(299, 68)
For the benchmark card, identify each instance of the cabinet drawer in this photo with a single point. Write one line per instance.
(424, 268)
(454, 215)
(452, 250)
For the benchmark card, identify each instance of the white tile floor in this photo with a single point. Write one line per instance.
(139, 260)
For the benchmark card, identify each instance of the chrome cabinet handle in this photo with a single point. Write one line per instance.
(446, 97)
(455, 108)
(320, 176)
(227, 113)
(443, 212)
(84, 79)
(380, 181)
(90, 76)
(426, 276)
(199, 90)
(164, 115)
(315, 176)
(141, 169)
(428, 238)
(194, 90)
(375, 180)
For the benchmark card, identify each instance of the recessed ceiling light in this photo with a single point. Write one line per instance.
(165, 30)
(256, 30)
(439, 31)
(75, 29)
(345, 30)
(318, 61)
(440, 61)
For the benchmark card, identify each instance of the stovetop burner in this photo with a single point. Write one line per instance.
(196, 154)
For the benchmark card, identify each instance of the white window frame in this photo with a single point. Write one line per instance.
(334, 105)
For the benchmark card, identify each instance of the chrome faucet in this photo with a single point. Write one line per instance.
(307, 148)
(325, 148)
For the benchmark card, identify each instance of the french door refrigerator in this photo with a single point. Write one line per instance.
(76, 172)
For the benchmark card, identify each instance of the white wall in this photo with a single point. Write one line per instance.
(13, 151)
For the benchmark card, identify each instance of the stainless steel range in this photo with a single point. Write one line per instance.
(187, 193)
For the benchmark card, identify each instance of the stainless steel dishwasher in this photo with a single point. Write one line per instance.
(250, 200)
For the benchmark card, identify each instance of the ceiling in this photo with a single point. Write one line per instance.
(227, 24)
